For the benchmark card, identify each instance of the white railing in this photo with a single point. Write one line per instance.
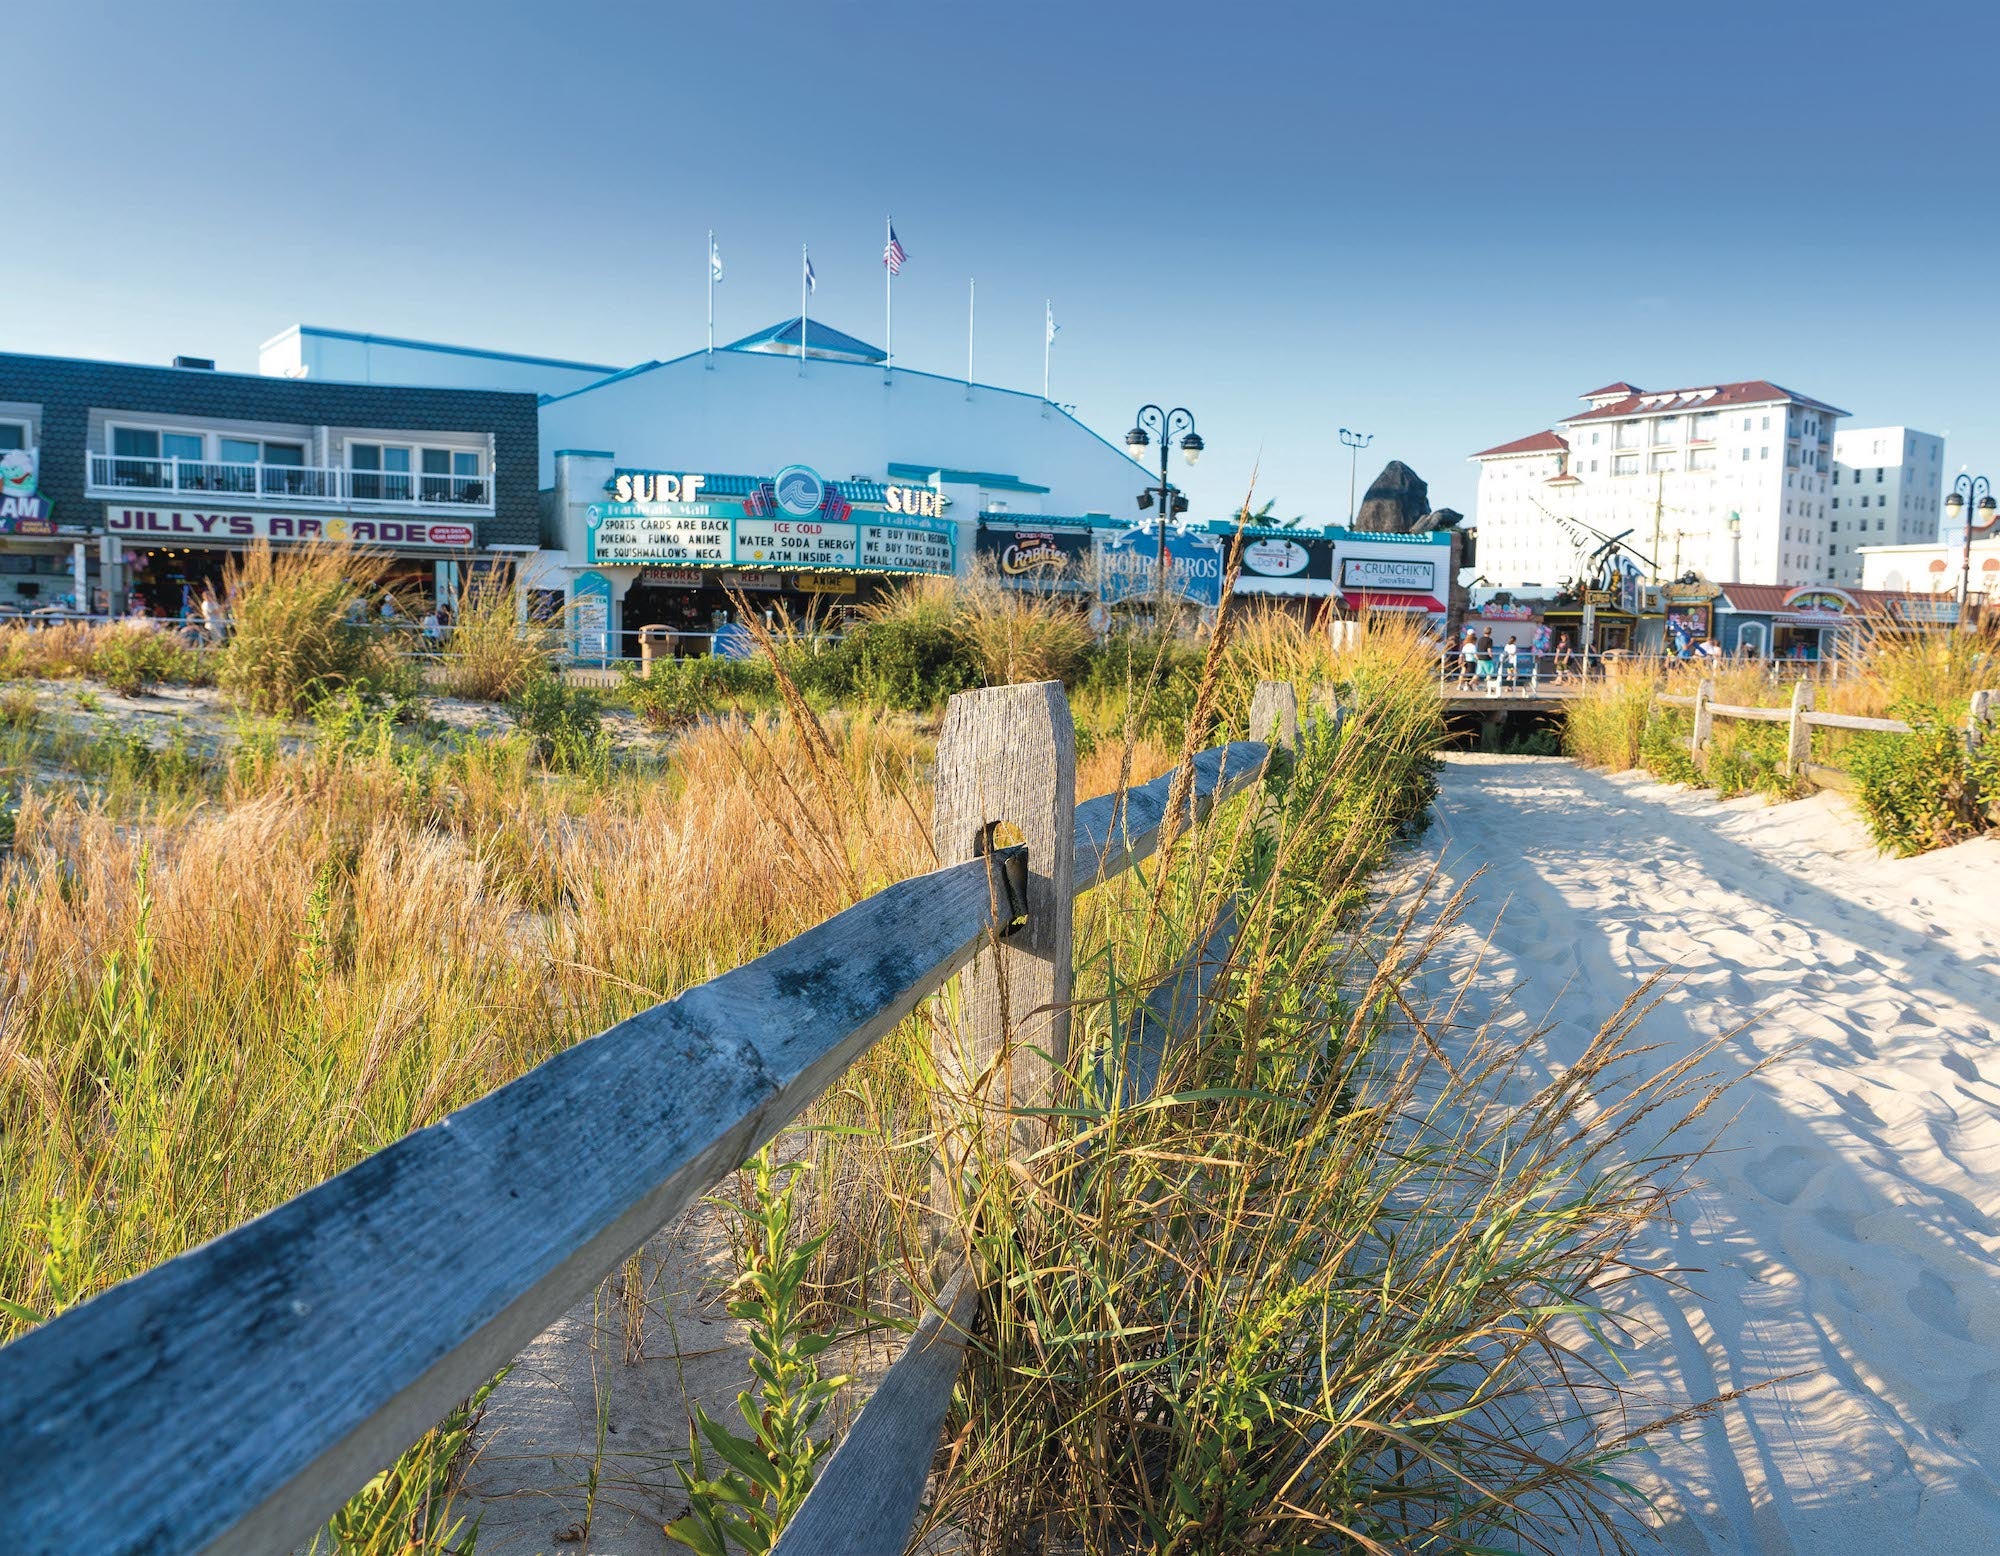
(118, 475)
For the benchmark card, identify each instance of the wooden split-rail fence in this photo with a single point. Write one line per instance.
(1801, 719)
(232, 1399)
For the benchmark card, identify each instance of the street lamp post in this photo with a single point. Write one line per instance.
(1970, 495)
(1354, 442)
(1172, 428)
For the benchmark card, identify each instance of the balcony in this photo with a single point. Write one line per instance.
(299, 486)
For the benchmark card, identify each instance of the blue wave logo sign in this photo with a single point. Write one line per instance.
(800, 491)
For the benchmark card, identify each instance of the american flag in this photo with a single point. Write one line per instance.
(893, 253)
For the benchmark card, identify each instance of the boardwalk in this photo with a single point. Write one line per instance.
(1849, 1227)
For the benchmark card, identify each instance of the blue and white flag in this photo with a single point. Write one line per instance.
(714, 261)
(812, 281)
(1053, 328)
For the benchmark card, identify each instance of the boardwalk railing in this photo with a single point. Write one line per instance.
(1800, 720)
(233, 1398)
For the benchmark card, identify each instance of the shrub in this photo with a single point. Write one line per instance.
(1917, 791)
(679, 691)
(1663, 747)
(299, 629)
(19, 709)
(1606, 724)
(1020, 634)
(565, 724)
(130, 659)
(909, 649)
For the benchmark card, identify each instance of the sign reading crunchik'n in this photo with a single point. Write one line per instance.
(1388, 575)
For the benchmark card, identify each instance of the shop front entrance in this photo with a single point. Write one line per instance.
(695, 604)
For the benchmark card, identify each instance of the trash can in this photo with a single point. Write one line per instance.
(654, 640)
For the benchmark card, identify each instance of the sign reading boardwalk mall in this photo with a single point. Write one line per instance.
(794, 520)
(217, 527)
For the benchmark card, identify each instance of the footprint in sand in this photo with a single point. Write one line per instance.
(1782, 1175)
(1936, 1304)
(1961, 1066)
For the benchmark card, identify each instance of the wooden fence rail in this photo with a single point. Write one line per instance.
(234, 1397)
(1800, 720)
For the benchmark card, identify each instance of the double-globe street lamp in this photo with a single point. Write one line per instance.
(1970, 495)
(1172, 428)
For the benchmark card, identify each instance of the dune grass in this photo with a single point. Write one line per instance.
(1312, 1292)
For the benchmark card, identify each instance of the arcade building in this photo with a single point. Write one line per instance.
(122, 483)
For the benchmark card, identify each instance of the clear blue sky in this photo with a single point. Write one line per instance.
(1437, 222)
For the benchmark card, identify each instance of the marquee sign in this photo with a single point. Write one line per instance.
(705, 534)
(203, 527)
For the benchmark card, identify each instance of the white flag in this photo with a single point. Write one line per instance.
(1053, 326)
(812, 281)
(714, 261)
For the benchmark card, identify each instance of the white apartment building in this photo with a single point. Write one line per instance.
(1888, 490)
(1727, 480)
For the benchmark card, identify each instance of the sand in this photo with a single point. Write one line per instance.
(1848, 1224)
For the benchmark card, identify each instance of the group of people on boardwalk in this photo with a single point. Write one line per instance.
(1481, 662)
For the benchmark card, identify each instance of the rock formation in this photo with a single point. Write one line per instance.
(1397, 501)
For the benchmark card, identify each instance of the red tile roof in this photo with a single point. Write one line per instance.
(1621, 387)
(1754, 391)
(1533, 443)
(1769, 599)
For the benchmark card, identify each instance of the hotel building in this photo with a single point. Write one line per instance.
(1888, 490)
(1730, 481)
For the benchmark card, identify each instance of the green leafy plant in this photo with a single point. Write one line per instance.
(677, 692)
(763, 1477)
(132, 659)
(407, 1509)
(565, 723)
(1918, 791)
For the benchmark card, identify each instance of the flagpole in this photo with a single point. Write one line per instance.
(711, 296)
(1048, 340)
(805, 259)
(888, 297)
(971, 302)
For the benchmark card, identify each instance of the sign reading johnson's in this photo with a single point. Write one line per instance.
(203, 527)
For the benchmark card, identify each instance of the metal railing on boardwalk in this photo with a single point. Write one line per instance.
(234, 1397)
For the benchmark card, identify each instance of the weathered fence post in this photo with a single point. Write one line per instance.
(1977, 729)
(1274, 713)
(1798, 733)
(1703, 719)
(1007, 758)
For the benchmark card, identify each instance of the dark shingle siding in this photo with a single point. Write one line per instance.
(68, 389)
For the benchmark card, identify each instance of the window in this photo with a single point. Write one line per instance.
(1836, 502)
(1625, 464)
(1668, 429)
(1765, 451)
(1704, 427)
(1665, 459)
(1593, 443)
(1767, 425)
(13, 434)
(380, 473)
(1593, 471)
(1631, 434)
(1878, 525)
(1701, 459)
(1879, 473)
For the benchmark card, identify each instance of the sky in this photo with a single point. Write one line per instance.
(1435, 223)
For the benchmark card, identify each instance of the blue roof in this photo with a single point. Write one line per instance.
(819, 337)
(366, 338)
(985, 478)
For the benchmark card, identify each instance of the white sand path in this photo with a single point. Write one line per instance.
(1849, 1223)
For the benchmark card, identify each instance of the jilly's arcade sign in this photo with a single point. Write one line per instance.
(199, 527)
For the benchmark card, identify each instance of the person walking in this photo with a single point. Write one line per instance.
(1510, 662)
(1468, 659)
(1562, 656)
(1488, 671)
